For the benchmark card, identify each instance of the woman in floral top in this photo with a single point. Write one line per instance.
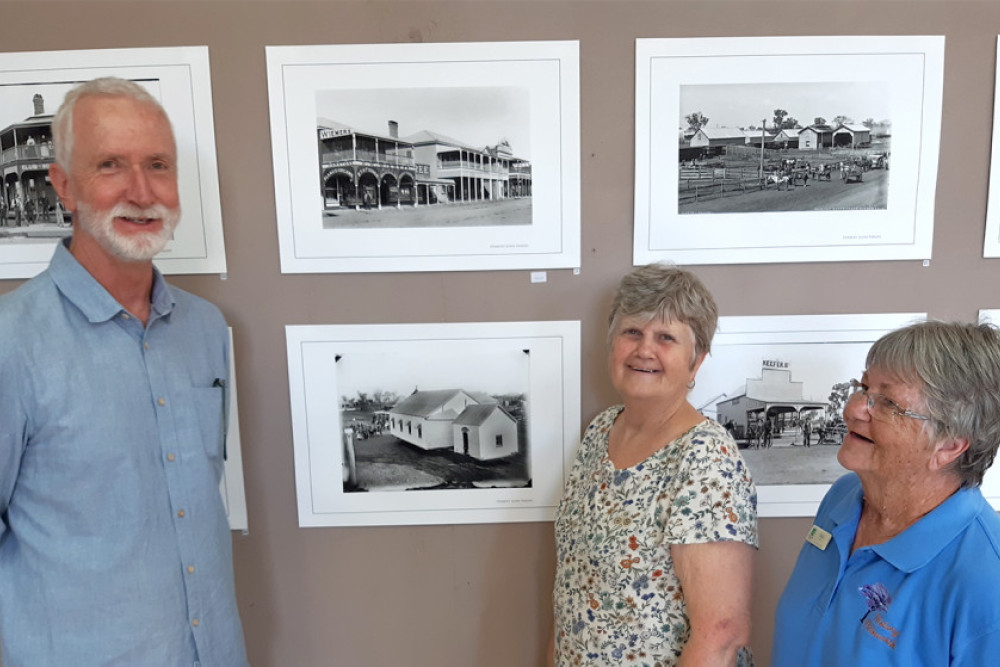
(656, 531)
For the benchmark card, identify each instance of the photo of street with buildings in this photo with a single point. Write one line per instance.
(424, 157)
(434, 421)
(766, 147)
(783, 405)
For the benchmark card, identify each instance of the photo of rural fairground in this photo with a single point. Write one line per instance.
(424, 157)
(438, 421)
(784, 147)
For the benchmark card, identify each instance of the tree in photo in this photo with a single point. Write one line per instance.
(696, 120)
(838, 398)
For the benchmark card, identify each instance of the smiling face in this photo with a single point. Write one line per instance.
(888, 448)
(652, 360)
(122, 181)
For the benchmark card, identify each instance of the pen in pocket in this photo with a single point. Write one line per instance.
(221, 384)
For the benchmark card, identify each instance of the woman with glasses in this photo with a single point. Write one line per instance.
(902, 564)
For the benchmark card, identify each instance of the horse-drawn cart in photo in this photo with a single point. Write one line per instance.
(851, 172)
(822, 172)
(878, 161)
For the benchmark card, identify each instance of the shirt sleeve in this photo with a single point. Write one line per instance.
(711, 497)
(982, 649)
(13, 431)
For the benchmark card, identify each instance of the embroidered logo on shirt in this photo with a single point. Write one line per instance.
(878, 600)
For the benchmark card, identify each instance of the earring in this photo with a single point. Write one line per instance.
(690, 385)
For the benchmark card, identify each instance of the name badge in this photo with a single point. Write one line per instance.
(818, 537)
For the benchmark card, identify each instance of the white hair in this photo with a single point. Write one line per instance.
(109, 86)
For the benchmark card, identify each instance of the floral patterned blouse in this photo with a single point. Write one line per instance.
(617, 598)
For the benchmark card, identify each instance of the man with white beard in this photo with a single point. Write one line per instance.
(114, 545)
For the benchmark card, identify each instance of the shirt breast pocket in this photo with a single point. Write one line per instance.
(210, 407)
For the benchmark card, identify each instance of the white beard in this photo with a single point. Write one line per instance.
(135, 247)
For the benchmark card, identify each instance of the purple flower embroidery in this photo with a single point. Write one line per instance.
(876, 597)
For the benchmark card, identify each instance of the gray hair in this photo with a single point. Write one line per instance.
(671, 294)
(957, 368)
(110, 86)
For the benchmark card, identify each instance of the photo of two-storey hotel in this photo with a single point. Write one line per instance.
(371, 177)
(29, 207)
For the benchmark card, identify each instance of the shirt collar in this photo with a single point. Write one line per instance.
(918, 544)
(82, 290)
(847, 509)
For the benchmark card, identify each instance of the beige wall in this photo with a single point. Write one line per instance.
(478, 595)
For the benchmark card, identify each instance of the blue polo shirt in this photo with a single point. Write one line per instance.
(114, 545)
(929, 596)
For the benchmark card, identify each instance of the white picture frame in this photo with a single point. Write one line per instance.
(353, 467)
(179, 78)
(231, 486)
(991, 244)
(991, 480)
(788, 365)
(741, 81)
(496, 120)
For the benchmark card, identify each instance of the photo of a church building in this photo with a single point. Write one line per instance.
(468, 423)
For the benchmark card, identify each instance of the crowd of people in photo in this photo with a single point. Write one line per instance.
(761, 433)
(797, 171)
(32, 210)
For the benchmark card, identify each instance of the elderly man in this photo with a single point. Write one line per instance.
(114, 546)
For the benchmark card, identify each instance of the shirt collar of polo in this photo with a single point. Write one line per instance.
(918, 544)
(848, 508)
(843, 516)
(82, 290)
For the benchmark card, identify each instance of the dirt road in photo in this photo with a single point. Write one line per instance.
(496, 213)
(833, 195)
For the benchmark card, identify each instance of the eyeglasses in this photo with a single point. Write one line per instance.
(881, 406)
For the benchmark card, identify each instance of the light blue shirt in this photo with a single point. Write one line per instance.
(114, 545)
(932, 596)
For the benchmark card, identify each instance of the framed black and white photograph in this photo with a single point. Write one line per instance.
(426, 157)
(778, 149)
(778, 384)
(32, 87)
(991, 480)
(432, 423)
(991, 246)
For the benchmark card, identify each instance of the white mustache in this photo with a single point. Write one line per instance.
(154, 212)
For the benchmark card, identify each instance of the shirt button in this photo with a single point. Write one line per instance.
(170, 457)
(125, 316)
(190, 569)
(145, 346)
(194, 622)
(180, 514)
(161, 401)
